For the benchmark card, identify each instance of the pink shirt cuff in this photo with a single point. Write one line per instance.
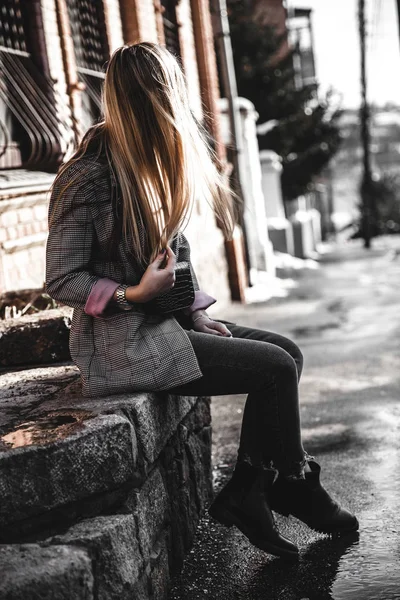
(201, 302)
(99, 297)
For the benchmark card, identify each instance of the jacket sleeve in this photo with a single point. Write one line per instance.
(202, 300)
(69, 278)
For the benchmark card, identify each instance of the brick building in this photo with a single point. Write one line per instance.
(296, 23)
(52, 55)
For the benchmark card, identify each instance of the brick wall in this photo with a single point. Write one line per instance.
(23, 219)
(112, 16)
(139, 20)
(188, 50)
(273, 13)
(207, 69)
(23, 233)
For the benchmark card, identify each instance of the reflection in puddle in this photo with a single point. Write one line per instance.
(45, 430)
(371, 571)
(313, 576)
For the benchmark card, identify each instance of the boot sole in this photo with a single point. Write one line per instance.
(328, 530)
(227, 518)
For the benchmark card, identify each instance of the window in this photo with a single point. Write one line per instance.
(301, 40)
(29, 127)
(171, 27)
(91, 51)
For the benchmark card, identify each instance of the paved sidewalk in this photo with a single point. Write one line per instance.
(346, 318)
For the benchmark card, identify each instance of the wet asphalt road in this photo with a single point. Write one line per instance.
(345, 316)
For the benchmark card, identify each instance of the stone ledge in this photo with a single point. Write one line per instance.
(154, 416)
(97, 455)
(33, 394)
(125, 478)
(35, 339)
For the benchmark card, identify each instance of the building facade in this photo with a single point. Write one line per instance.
(52, 57)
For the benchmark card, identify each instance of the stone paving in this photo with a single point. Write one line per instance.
(345, 316)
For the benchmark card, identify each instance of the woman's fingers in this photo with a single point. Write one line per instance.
(167, 256)
(159, 276)
(214, 328)
(211, 331)
(221, 328)
(171, 259)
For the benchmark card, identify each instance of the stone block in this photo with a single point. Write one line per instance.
(159, 571)
(179, 476)
(35, 339)
(95, 455)
(30, 572)
(198, 447)
(150, 507)
(200, 415)
(157, 419)
(154, 416)
(21, 391)
(8, 218)
(112, 544)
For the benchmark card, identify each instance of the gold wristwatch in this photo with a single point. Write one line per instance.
(121, 297)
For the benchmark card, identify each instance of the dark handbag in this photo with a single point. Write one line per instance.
(177, 298)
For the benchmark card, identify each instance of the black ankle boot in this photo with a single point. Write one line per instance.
(309, 502)
(244, 502)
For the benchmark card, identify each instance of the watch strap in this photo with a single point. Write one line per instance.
(121, 297)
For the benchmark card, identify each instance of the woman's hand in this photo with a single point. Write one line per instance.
(203, 323)
(156, 280)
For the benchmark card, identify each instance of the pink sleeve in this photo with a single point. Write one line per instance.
(99, 297)
(201, 302)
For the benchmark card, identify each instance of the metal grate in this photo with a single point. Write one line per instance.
(86, 18)
(171, 27)
(30, 120)
(12, 34)
(29, 125)
(89, 34)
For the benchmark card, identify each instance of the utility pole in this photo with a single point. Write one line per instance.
(367, 198)
(398, 13)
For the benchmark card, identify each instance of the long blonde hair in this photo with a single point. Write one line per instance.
(156, 149)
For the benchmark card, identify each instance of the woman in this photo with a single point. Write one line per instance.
(115, 216)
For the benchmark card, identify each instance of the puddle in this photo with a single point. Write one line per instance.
(371, 568)
(45, 430)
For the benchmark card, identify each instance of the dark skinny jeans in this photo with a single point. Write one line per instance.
(266, 366)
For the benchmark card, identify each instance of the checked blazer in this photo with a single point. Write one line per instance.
(116, 351)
